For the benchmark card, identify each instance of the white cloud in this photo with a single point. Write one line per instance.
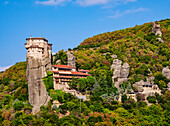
(82, 2)
(53, 53)
(6, 2)
(91, 2)
(129, 11)
(4, 68)
(52, 2)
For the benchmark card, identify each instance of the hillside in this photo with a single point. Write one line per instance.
(13, 81)
(137, 46)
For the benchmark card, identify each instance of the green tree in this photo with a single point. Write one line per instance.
(124, 98)
(81, 84)
(18, 105)
(73, 83)
(90, 81)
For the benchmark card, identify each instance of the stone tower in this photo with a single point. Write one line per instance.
(38, 63)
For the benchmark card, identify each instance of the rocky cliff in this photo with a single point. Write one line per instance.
(71, 59)
(166, 72)
(36, 70)
(120, 72)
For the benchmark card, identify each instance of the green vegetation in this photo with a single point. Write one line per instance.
(61, 55)
(48, 81)
(82, 84)
(137, 46)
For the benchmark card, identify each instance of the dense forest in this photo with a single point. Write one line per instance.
(137, 46)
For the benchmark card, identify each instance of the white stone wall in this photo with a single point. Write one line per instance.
(40, 51)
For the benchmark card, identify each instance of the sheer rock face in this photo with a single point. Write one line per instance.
(125, 70)
(71, 59)
(120, 72)
(166, 72)
(36, 70)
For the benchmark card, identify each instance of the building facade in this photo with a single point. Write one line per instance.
(38, 47)
(63, 74)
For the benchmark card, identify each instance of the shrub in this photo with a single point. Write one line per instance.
(124, 98)
(151, 99)
(18, 105)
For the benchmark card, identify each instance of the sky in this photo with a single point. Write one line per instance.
(66, 23)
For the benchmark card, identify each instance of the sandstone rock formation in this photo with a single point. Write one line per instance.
(168, 85)
(71, 59)
(138, 86)
(36, 70)
(120, 72)
(38, 63)
(156, 28)
(58, 62)
(166, 72)
(114, 56)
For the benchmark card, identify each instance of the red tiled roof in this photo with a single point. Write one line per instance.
(81, 70)
(80, 73)
(64, 66)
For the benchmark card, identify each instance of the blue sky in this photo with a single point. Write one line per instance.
(66, 23)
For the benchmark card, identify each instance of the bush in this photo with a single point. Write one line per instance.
(124, 98)
(48, 81)
(151, 99)
(141, 104)
(92, 120)
(18, 105)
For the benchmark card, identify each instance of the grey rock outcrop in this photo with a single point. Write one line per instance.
(159, 39)
(120, 72)
(166, 72)
(114, 56)
(36, 70)
(125, 70)
(71, 59)
(58, 62)
(156, 28)
(138, 86)
(168, 85)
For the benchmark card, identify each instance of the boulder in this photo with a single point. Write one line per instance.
(137, 87)
(58, 61)
(166, 72)
(114, 56)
